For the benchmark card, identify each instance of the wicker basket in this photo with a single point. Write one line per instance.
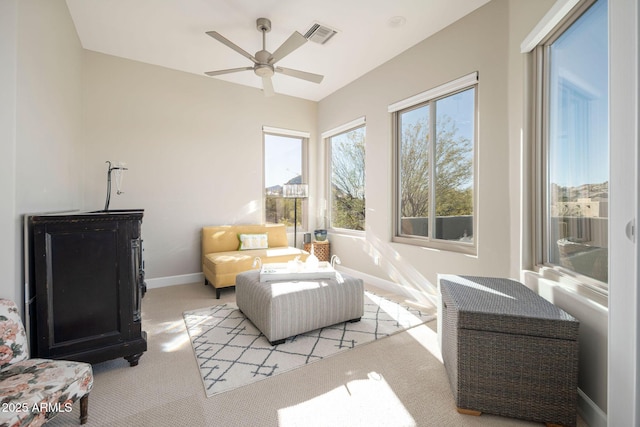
(320, 249)
(508, 351)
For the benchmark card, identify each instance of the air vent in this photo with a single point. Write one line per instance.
(320, 33)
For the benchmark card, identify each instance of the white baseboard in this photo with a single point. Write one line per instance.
(387, 285)
(590, 412)
(183, 279)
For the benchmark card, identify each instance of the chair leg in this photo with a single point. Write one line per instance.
(84, 409)
(217, 293)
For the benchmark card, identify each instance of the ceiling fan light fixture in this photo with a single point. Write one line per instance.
(264, 70)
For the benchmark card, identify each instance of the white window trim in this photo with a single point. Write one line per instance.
(325, 136)
(465, 82)
(436, 92)
(343, 128)
(545, 26)
(305, 136)
(538, 134)
(286, 132)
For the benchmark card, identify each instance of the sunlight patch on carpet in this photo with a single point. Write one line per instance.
(231, 352)
(365, 402)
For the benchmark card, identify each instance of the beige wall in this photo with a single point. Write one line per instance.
(49, 111)
(41, 151)
(193, 146)
(478, 42)
(9, 244)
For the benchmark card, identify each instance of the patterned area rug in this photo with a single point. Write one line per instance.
(232, 352)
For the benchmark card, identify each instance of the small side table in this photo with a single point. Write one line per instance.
(322, 250)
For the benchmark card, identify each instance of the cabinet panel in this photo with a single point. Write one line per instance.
(80, 278)
(88, 284)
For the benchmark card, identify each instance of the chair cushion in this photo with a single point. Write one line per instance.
(13, 340)
(37, 389)
(239, 261)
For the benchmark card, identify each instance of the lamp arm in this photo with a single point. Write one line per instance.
(111, 168)
(106, 203)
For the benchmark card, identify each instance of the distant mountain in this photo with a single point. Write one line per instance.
(276, 190)
(595, 192)
(295, 180)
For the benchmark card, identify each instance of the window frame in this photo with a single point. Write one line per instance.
(326, 138)
(430, 97)
(540, 134)
(304, 138)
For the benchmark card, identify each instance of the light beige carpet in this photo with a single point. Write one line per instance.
(230, 351)
(395, 381)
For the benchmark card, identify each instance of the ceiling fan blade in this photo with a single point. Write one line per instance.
(230, 70)
(315, 78)
(267, 86)
(232, 45)
(294, 41)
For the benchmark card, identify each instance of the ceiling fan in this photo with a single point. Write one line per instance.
(264, 61)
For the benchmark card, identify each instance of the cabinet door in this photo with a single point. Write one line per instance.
(82, 275)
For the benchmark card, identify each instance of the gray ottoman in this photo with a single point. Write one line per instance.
(286, 308)
(508, 351)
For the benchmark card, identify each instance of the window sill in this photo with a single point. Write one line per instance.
(345, 232)
(573, 284)
(440, 245)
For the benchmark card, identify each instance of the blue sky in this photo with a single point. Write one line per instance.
(282, 159)
(579, 146)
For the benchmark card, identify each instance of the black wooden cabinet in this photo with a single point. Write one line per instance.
(87, 286)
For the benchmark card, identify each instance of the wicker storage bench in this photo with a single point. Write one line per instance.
(508, 351)
(283, 309)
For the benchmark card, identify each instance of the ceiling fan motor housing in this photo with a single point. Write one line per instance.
(263, 68)
(263, 24)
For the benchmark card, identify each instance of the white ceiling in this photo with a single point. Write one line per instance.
(171, 33)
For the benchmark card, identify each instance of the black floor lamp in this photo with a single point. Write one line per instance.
(295, 192)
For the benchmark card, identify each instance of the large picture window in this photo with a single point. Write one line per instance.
(284, 163)
(573, 143)
(346, 149)
(435, 162)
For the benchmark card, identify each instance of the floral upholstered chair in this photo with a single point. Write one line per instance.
(32, 391)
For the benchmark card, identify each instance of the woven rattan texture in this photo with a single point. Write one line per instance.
(320, 249)
(496, 365)
(504, 305)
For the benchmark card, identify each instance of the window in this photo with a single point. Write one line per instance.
(346, 176)
(284, 163)
(573, 146)
(434, 161)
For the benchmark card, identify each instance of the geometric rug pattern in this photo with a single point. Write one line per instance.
(231, 352)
